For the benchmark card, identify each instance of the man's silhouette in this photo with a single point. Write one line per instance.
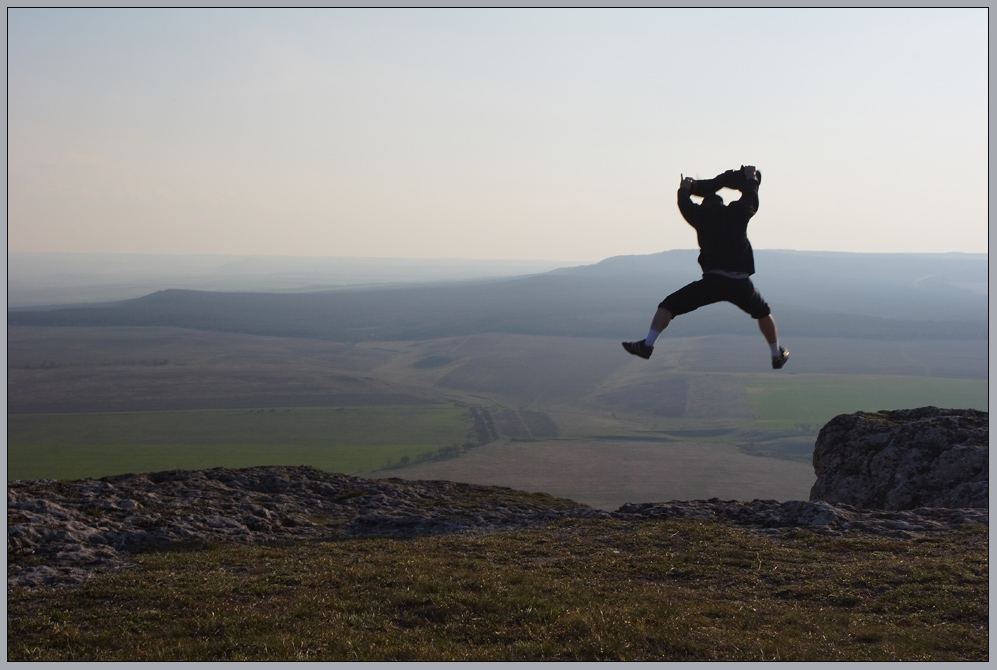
(725, 257)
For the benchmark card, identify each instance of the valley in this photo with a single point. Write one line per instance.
(574, 417)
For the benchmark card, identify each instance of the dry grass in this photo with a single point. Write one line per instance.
(595, 590)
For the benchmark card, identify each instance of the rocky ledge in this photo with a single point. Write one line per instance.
(62, 532)
(904, 459)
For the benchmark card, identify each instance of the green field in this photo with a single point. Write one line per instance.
(367, 439)
(785, 401)
(348, 440)
(91, 402)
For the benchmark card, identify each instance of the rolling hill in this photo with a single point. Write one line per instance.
(870, 296)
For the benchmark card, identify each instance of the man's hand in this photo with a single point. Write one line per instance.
(749, 172)
(686, 184)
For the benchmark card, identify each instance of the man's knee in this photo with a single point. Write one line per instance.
(761, 313)
(756, 306)
(683, 301)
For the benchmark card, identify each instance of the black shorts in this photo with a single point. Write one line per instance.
(716, 288)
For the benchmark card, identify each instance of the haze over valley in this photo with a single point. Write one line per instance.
(518, 381)
(62, 278)
(410, 242)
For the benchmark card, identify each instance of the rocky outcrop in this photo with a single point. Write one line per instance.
(62, 532)
(904, 459)
(772, 517)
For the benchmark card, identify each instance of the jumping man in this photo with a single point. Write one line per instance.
(725, 256)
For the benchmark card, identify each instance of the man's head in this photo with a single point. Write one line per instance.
(712, 200)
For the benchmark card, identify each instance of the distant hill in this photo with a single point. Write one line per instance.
(60, 279)
(881, 296)
(898, 286)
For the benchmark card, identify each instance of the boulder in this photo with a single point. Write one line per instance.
(904, 459)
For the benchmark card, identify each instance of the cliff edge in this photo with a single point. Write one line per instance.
(904, 459)
(897, 474)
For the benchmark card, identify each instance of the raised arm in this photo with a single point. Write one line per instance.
(749, 178)
(705, 187)
(745, 179)
(689, 209)
(730, 179)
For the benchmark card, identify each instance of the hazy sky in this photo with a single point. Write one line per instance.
(553, 134)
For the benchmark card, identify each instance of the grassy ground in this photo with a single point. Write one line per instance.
(350, 440)
(595, 590)
(784, 401)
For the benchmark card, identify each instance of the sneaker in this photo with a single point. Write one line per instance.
(779, 361)
(638, 348)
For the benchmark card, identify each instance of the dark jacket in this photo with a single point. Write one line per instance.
(722, 230)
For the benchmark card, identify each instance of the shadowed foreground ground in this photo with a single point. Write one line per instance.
(572, 590)
(297, 564)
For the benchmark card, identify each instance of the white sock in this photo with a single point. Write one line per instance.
(775, 349)
(652, 335)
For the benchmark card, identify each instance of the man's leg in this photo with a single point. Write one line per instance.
(779, 355)
(645, 348)
(767, 325)
(660, 321)
(686, 299)
(742, 292)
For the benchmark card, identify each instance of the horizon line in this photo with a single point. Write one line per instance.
(472, 259)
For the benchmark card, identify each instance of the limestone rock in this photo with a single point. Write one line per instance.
(904, 459)
(62, 532)
(772, 517)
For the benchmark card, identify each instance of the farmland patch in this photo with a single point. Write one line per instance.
(785, 402)
(610, 473)
(534, 371)
(524, 424)
(664, 397)
(349, 440)
(430, 362)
